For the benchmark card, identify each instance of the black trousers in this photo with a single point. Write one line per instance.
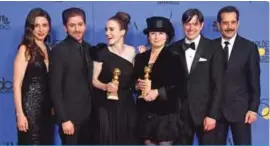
(81, 134)
(241, 132)
(204, 137)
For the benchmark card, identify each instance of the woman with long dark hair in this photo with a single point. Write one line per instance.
(30, 79)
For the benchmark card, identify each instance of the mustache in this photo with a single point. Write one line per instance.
(229, 29)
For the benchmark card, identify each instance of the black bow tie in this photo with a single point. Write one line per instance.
(191, 45)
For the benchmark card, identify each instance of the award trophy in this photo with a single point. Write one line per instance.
(115, 80)
(147, 70)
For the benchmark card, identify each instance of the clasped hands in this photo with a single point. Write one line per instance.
(111, 87)
(145, 85)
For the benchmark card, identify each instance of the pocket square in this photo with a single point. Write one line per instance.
(202, 59)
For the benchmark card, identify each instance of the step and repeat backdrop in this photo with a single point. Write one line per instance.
(254, 25)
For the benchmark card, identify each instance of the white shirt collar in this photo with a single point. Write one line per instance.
(196, 41)
(231, 41)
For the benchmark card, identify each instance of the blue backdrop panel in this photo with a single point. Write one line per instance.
(254, 25)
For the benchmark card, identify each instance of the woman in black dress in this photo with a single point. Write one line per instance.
(159, 118)
(114, 118)
(31, 95)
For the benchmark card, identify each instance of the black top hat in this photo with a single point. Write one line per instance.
(161, 24)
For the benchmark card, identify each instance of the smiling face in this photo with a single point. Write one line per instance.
(193, 28)
(113, 32)
(76, 27)
(41, 28)
(228, 25)
(157, 39)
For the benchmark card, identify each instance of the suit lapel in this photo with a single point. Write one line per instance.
(177, 49)
(159, 60)
(147, 58)
(183, 56)
(236, 52)
(143, 62)
(88, 61)
(198, 54)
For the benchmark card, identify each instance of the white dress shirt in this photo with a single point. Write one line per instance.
(190, 53)
(230, 46)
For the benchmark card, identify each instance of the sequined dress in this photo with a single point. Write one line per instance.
(36, 104)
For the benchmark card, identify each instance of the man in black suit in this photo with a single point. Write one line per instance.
(204, 71)
(70, 72)
(241, 80)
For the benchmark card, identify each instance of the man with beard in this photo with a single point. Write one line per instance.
(241, 80)
(70, 72)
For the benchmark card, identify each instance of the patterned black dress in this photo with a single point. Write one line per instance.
(36, 104)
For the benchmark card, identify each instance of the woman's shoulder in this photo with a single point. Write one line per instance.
(23, 52)
(101, 46)
(22, 48)
(144, 56)
(100, 51)
(130, 48)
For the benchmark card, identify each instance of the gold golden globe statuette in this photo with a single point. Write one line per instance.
(147, 70)
(115, 81)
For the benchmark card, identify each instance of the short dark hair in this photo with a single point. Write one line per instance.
(71, 12)
(227, 9)
(188, 15)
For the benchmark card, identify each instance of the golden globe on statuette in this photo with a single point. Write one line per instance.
(115, 81)
(147, 70)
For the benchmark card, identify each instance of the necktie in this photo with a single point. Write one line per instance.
(187, 46)
(81, 50)
(226, 53)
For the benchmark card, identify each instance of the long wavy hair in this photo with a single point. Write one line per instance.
(28, 39)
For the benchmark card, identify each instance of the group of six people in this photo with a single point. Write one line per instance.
(192, 86)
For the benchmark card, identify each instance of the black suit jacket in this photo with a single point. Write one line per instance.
(204, 87)
(168, 76)
(70, 80)
(241, 80)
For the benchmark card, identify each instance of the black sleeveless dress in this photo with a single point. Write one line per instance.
(114, 119)
(36, 104)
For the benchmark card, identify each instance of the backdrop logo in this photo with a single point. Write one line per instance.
(136, 26)
(9, 143)
(214, 26)
(264, 109)
(5, 86)
(263, 48)
(4, 22)
(168, 2)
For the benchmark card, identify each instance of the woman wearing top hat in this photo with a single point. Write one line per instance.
(159, 120)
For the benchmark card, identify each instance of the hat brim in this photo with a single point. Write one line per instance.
(147, 30)
(169, 33)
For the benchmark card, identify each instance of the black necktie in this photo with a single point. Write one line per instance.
(81, 47)
(82, 52)
(226, 53)
(191, 45)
